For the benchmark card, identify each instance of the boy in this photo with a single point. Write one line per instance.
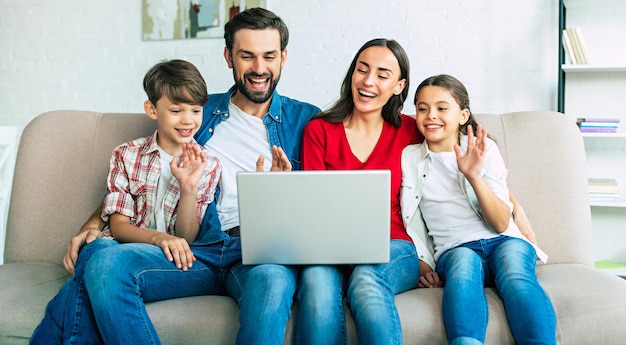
(158, 189)
(164, 182)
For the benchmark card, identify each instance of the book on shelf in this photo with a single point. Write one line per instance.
(615, 267)
(569, 50)
(598, 125)
(603, 189)
(602, 181)
(581, 45)
(575, 46)
(603, 197)
(597, 130)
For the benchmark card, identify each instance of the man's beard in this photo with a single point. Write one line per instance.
(258, 97)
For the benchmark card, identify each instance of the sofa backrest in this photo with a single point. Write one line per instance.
(63, 159)
(59, 179)
(545, 156)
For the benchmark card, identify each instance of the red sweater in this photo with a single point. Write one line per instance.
(325, 147)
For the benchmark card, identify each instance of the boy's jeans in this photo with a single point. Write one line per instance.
(69, 318)
(120, 279)
(130, 275)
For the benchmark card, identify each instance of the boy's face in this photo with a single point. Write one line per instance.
(176, 123)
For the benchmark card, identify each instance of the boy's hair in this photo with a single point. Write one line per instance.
(458, 92)
(179, 80)
(391, 110)
(256, 18)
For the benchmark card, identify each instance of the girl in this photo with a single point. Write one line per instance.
(457, 182)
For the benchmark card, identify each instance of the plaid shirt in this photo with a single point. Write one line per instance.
(132, 185)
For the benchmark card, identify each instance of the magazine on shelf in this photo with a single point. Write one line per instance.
(598, 125)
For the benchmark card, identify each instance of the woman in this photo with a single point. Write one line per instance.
(363, 130)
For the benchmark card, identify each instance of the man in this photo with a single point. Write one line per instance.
(239, 125)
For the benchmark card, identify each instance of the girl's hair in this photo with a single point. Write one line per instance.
(177, 79)
(255, 18)
(458, 92)
(391, 110)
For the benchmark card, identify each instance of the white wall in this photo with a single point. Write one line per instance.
(72, 54)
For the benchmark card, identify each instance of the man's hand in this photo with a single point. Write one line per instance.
(74, 246)
(280, 162)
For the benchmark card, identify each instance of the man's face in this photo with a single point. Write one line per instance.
(256, 60)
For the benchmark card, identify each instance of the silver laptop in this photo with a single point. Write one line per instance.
(314, 217)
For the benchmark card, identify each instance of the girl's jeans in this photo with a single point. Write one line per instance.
(508, 263)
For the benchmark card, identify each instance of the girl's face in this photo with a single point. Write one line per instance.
(376, 78)
(439, 117)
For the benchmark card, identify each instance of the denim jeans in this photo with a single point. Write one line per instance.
(370, 294)
(508, 263)
(121, 279)
(320, 318)
(69, 318)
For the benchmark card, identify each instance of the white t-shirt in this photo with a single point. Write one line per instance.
(158, 216)
(450, 219)
(237, 143)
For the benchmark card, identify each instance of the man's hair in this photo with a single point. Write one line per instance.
(179, 80)
(256, 18)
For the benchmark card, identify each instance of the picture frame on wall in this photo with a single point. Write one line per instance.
(189, 19)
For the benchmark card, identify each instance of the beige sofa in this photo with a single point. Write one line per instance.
(59, 179)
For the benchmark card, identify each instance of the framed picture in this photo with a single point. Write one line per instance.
(186, 19)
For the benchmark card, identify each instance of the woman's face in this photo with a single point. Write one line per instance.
(376, 78)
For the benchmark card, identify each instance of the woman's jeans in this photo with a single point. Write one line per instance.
(370, 295)
(510, 264)
(120, 279)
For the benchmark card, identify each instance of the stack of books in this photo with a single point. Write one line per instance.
(574, 45)
(598, 125)
(603, 189)
(611, 266)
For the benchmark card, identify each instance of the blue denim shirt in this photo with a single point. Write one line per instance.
(285, 122)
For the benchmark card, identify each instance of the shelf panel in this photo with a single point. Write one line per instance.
(619, 135)
(592, 3)
(592, 68)
(615, 204)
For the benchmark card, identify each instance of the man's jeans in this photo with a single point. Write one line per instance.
(510, 264)
(370, 294)
(69, 318)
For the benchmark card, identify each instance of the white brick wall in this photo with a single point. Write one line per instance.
(89, 54)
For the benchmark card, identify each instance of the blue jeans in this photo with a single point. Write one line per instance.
(508, 263)
(69, 318)
(121, 279)
(370, 294)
